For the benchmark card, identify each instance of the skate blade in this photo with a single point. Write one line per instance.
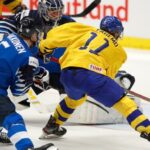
(47, 136)
(53, 148)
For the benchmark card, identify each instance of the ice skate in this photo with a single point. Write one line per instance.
(52, 129)
(48, 146)
(145, 136)
(4, 138)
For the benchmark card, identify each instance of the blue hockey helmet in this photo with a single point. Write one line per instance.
(51, 10)
(112, 25)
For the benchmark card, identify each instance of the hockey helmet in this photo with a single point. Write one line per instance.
(51, 10)
(112, 25)
(27, 27)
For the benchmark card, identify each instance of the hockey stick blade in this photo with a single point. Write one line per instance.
(88, 9)
(139, 95)
(48, 146)
(33, 99)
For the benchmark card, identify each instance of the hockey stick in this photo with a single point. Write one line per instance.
(139, 95)
(98, 106)
(87, 9)
(33, 99)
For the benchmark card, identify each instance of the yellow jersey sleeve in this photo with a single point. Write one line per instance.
(12, 4)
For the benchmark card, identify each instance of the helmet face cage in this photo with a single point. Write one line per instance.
(113, 26)
(51, 9)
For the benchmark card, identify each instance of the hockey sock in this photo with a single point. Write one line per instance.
(137, 120)
(65, 108)
(17, 132)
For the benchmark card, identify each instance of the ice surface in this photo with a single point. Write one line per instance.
(85, 137)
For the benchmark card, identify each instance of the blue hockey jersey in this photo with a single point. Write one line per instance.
(9, 25)
(17, 65)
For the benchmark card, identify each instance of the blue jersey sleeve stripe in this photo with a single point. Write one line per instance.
(8, 23)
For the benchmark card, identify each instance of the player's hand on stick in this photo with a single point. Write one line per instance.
(41, 78)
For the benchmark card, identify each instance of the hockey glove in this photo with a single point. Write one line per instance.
(24, 77)
(125, 80)
(24, 80)
(41, 78)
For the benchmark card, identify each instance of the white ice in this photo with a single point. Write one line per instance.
(98, 137)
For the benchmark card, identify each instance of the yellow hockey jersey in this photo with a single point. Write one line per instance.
(86, 47)
(10, 4)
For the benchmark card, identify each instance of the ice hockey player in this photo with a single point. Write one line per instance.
(96, 113)
(13, 5)
(49, 14)
(8, 25)
(17, 68)
(89, 65)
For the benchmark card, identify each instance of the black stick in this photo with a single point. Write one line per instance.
(88, 9)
